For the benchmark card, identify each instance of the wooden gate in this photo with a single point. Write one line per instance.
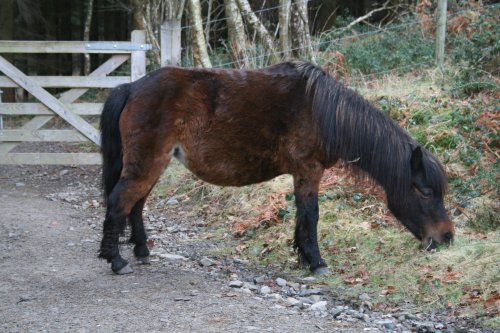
(63, 106)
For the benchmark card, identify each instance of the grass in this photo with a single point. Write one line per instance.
(366, 249)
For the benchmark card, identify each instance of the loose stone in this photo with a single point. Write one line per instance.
(319, 306)
(265, 290)
(236, 284)
(172, 201)
(281, 282)
(206, 262)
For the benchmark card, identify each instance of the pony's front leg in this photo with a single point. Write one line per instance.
(306, 237)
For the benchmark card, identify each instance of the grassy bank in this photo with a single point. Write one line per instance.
(455, 115)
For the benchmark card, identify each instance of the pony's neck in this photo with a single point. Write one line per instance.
(365, 138)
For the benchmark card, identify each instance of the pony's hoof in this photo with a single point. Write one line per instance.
(124, 270)
(143, 260)
(321, 270)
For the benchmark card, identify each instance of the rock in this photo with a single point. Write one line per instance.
(309, 292)
(250, 286)
(386, 323)
(294, 302)
(63, 172)
(365, 305)
(304, 300)
(355, 314)
(236, 284)
(206, 262)
(281, 282)
(241, 261)
(172, 257)
(336, 311)
(364, 297)
(318, 306)
(439, 326)
(260, 279)
(172, 201)
(425, 328)
(315, 298)
(265, 290)
(20, 184)
(309, 279)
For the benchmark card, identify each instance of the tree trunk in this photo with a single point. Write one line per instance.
(301, 35)
(200, 53)
(257, 26)
(236, 32)
(284, 21)
(86, 34)
(441, 33)
(138, 14)
(170, 39)
(207, 25)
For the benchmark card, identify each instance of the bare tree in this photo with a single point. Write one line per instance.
(284, 22)
(200, 53)
(257, 26)
(301, 37)
(236, 31)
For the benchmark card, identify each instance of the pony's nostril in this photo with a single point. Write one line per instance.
(447, 237)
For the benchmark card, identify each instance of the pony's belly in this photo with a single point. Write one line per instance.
(229, 169)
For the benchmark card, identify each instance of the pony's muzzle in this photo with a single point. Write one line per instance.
(433, 241)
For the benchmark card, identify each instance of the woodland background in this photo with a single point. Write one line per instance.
(212, 31)
(383, 49)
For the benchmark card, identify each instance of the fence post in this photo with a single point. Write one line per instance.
(138, 58)
(441, 33)
(170, 42)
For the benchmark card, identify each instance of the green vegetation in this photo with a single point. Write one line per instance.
(366, 249)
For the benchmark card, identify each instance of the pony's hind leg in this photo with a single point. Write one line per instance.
(139, 236)
(127, 200)
(114, 225)
(306, 185)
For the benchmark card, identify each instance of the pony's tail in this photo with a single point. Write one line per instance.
(111, 143)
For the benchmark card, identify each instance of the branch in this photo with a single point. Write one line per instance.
(364, 17)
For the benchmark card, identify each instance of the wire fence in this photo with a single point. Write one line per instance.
(326, 44)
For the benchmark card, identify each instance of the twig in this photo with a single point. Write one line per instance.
(489, 149)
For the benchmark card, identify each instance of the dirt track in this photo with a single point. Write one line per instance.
(51, 279)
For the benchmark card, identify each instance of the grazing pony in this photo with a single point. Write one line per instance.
(238, 127)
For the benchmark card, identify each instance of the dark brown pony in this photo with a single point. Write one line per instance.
(239, 127)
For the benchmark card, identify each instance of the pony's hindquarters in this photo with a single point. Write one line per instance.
(134, 157)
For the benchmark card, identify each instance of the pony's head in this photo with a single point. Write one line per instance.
(421, 209)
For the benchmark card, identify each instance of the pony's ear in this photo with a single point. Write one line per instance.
(416, 160)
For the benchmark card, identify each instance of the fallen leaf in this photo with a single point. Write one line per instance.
(150, 243)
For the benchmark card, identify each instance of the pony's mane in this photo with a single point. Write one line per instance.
(354, 131)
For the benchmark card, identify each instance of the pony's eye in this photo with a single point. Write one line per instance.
(423, 192)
